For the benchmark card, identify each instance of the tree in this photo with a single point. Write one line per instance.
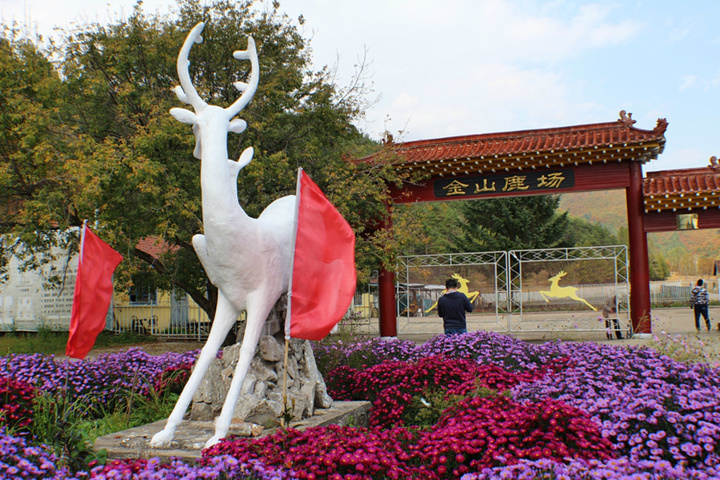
(511, 224)
(37, 169)
(132, 170)
(658, 266)
(426, 228)
(581, 233)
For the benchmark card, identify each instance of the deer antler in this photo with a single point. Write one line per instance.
(248, 89)
(562, 273)
(186, 92)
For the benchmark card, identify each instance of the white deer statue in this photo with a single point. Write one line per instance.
(247, 259)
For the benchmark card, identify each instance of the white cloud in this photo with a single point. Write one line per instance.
(697, 82)
(472, 66)
(405, 100)
(548, 34)
(688, 81)
(491, 98)
(482, 66)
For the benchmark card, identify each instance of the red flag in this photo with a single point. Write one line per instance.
(323, 274)
(93, 292)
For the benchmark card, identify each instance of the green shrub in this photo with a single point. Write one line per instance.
(58, 422)
(426, 409)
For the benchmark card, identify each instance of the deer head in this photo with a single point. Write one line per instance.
(210, 116)
(559, 275)
(460, 279)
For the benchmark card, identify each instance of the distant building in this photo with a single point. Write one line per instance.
(29, 302)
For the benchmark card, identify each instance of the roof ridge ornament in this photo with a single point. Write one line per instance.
(626, 118)
(714, 163)
(661, 126)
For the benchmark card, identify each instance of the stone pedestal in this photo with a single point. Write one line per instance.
(190, 436)
(261, 397)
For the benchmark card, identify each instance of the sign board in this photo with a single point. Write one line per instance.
(532, 181)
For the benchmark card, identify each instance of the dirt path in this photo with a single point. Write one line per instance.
(678, 323)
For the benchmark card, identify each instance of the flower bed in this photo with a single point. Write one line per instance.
(101, 381)
(474, 406)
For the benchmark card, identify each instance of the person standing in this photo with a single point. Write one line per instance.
(612, 324)
(452, 307)
(699, 300)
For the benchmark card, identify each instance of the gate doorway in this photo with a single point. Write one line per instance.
(578, 158)
(521, 291)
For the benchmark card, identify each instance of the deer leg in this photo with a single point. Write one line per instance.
(257, 312)
(588, 304)
(225, 316)
(542, 294)
(578, 299)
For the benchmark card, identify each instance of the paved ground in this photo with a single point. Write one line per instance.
(676, 325)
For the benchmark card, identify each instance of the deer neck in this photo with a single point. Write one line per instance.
(219, 199)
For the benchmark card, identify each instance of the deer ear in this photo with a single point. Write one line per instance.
(246, 156)
(184, 116)
(237, 125)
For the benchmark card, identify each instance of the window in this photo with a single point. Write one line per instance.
(142, 296)
(687, 221)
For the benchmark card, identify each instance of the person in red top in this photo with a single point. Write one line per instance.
(452, 307)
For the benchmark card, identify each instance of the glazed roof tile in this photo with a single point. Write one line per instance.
(683, 190)
(574, 145)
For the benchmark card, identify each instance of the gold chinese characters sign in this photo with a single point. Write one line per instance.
(498, 184)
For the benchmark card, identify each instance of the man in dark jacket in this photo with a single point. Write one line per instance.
(452, 307)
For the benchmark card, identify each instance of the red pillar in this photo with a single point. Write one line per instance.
(388, 313)
(639, 264)
(386, 288)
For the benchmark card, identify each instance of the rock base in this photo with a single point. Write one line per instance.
(261, 397)
(190, 436)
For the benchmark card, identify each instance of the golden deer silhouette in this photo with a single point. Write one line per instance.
(562, 292)
(463, 288)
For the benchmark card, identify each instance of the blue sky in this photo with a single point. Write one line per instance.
(460, 67)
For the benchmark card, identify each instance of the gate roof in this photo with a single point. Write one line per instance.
(683, 190)
(530, 149)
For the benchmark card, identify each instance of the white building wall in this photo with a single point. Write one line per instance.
(28, 302)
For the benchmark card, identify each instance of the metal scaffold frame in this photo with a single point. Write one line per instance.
(495, 260)
(512, 311)
(620, 289)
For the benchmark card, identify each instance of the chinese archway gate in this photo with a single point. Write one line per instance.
(578, 158)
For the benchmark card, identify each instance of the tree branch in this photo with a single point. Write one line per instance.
(197, 296)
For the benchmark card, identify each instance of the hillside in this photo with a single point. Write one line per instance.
(687, 252)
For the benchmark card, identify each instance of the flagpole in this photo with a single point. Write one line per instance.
(288, 313)
(82, 241)
(81, 249)
(284, 390)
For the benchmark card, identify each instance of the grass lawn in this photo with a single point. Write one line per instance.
(49, 342)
